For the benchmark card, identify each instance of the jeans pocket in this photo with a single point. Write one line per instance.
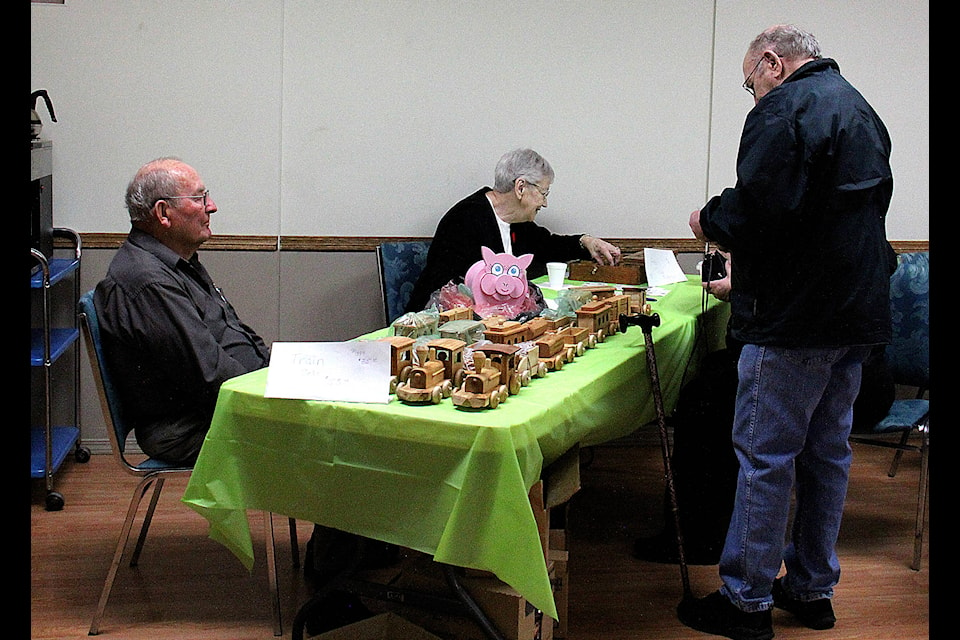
(813, 356)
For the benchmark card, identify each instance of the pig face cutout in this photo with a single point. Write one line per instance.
(498, 277)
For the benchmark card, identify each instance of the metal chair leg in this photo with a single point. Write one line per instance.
(272, 573)
(147, 519)
(921, 500)
(118, 553)
(294, 543)
(898, 454)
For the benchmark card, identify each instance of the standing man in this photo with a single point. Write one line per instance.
(810, 294)
(170, 337)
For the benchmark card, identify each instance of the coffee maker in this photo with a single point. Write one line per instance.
(41, 199)
(41, 181)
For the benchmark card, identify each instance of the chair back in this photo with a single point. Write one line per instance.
(112, 412)
(400, 264)
(908, 355)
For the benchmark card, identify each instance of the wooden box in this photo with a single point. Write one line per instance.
(629, 271)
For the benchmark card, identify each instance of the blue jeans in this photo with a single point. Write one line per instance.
(793, 416)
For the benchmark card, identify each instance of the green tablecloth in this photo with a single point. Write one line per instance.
(434, 478)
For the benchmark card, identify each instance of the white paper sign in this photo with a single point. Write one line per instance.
(662, 267)
(341, 371)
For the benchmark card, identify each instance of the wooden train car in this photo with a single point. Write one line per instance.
(579, 338)
(510, 332)
(467, 330)
(620, 306)
(529, 362)
(538, 326)
(553, 351)
(438, 370)
(456, 313)
(415, 325)
(555, 324)
(595, 317)
(401, 359)
(494, 320)
(598, 291)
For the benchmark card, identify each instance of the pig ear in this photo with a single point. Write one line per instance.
(525, 260)
(487, 253)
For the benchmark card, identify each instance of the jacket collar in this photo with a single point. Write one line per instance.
(147, 242)
(812, 67)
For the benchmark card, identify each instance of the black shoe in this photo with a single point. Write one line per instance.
(337, 609)
(717, 615)
(662, 548)
(813, 614)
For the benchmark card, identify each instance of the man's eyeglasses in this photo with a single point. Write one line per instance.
(543, 193)
(748, 84)
(202, 197)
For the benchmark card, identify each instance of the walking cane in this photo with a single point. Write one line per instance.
(646, 324)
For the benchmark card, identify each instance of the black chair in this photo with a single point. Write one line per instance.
(908, 358)
(400, 264)
(150, 471)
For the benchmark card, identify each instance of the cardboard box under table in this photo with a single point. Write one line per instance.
(512, 615)
(386, 626)
(450, 483)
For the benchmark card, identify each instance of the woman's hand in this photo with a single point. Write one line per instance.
(600, 250)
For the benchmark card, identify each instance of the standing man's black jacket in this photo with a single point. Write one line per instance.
(805, 221)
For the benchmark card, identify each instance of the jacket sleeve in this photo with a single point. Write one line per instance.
(545, 247)
(771, 185)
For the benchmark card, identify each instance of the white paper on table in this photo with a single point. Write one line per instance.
(357, 371)
(662, 267)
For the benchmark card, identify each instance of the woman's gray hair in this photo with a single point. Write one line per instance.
(520, 163)
(154, 181)
(787, 41)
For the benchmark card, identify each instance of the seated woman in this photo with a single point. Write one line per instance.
(502, 219)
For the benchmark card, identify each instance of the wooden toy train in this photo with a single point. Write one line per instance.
(507, 359)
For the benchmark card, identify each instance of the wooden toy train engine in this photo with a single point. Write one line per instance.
(493, 379)
(438, 371)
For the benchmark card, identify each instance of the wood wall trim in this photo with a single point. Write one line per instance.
(370, 243)
(339, 243)
(217, 243)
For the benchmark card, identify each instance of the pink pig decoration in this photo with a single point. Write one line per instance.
(499, 283)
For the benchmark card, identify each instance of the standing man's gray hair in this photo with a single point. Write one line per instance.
(787, 41)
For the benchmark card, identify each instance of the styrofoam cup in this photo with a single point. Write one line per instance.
(556, 272)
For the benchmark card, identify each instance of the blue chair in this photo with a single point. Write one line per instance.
(150, 471)
(908, 358)
(400, 264)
